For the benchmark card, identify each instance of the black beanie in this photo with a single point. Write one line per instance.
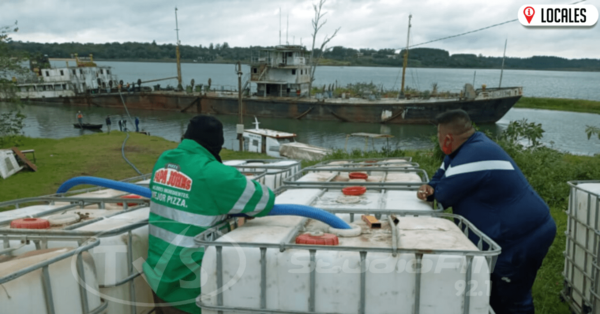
(208, 132)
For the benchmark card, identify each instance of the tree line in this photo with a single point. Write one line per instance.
(224, 53)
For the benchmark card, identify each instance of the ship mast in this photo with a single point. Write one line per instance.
(503, 57)
(405, 58)
(177, 51)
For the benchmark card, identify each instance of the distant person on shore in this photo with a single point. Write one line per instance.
(137, 124)
(80, 118)
(120, 125)
(108, 123)
(125, 125)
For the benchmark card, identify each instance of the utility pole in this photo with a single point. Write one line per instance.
(405, 58)
(504, 56)
(177, 51)
(240, 126)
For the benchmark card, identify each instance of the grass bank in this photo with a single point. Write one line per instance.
(97, 155)
(560, 104)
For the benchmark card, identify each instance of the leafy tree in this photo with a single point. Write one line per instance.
(11, 123)
(592, 130)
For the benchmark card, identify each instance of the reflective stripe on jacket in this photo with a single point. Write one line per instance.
(191, 192)
(482, 183)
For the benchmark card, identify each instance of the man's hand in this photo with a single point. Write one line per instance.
(424, 191)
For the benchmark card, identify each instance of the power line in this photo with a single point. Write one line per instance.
(474, 31)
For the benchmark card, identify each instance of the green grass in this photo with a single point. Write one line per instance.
(561, 104)
(97, 155)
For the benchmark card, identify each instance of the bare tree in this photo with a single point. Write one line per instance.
(317, 24)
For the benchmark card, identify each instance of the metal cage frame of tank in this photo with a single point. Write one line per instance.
(55, 197)
(394, 165)
(208, 237)
(292, 181)
(590, 280)
(365, 161)
(70, 230)
(285, 170)
(41, 242)
(435, 208)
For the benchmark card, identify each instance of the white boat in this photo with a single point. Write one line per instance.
(280, 144)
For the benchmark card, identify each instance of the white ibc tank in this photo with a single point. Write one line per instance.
(110, 256)
(25, 294)
(277, 170)
(392, 284)
(582, 246)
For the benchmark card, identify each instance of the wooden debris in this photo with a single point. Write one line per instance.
(24, 159)
(371, 221)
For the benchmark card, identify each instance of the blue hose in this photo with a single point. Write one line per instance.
(309, 212)
(278, 210)
(111, 184)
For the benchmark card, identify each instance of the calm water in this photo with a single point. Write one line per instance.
(564, 130)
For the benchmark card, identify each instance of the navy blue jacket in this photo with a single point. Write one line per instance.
(482, 183)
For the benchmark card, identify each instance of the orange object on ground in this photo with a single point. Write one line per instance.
(317, 238)
(30, 223)
(358, 175)
(371, 221)
(130, 197)
(354, 190)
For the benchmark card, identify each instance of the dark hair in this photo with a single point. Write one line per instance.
(457, 119)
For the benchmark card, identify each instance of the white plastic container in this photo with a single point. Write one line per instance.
(111, 256)
(26, 294)
(277, 169)
(388, 284)
(582, 247)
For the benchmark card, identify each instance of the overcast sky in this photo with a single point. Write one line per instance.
(364, 24)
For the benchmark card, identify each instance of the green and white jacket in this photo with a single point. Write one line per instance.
(191, 192)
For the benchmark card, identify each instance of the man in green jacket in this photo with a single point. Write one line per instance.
(193, 191)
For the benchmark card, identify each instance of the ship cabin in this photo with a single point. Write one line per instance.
(83, 76)
(282, 71)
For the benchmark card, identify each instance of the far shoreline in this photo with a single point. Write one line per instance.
(346, 65)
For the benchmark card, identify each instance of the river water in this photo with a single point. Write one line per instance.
(565, 131)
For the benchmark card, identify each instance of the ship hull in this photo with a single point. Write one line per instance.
(418, 112)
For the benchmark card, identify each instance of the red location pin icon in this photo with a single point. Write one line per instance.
(529, 12)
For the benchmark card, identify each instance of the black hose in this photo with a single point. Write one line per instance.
(126, 138)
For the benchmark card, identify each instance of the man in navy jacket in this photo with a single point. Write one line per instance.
(480, 181)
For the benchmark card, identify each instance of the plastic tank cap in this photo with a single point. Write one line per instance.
(131, 196)
(354, 190)
(30, 223)
(317, 238)
(358, 175)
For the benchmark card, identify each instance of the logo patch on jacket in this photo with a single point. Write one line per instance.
(173, 178)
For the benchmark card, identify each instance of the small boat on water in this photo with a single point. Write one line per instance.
(88, 126)
(279, 144)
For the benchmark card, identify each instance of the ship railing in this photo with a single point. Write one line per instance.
(260, 60)
(85, 244)
(487, 248)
